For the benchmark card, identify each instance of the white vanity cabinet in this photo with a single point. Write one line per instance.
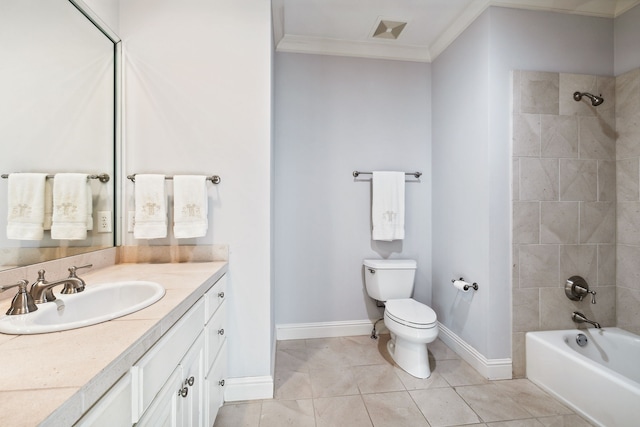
(180, 380)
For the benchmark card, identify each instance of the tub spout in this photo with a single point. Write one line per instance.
(581, 318)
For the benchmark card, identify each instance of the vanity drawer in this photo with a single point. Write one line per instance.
(215, 335)
(214, 297)
(113, 409)
(152, 371)
(214, 385)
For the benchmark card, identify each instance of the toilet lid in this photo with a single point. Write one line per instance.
(410, 312)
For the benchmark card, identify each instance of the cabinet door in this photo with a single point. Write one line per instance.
(113, 409)
(166, 408)
(193, 378)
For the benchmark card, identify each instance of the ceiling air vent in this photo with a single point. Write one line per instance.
(386, 29)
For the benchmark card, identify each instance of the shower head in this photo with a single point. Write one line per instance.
(595, 100)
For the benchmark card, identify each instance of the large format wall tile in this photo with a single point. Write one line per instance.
(539, 92)
(628, 179)
(597, 222)
(559, 136)
(579, 260)
(578, 180)
(628, 273)
(538, 179)
(597, 139)
(629, 223)
(526, 135)
(559, 222)
(570, 83)
(526, 222)
(607, 180)
(539, 265)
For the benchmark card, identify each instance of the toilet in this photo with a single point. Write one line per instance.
(412, 324)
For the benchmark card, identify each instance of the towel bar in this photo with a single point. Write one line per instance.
(416, 174)
(213, 178)
(103, 177)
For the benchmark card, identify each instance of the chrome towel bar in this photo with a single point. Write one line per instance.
(213, 178)
(416, 174)
(103, 177)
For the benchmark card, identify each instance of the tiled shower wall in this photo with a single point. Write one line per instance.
(564, 202)
(628, 195)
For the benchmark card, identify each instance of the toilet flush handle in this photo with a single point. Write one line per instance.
(372, 271)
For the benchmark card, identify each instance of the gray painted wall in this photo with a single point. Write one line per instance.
(334, 115)
(627, 40)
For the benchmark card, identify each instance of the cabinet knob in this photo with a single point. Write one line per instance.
(221, 295)
(221, 383)
(184, 391)
(220, 331)
(190, 381)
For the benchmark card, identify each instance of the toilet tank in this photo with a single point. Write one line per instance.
(387, 279)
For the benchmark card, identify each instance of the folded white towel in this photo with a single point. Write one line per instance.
(151, 207)
(48, 204)
(387, 206)
(69, 221)
(190, 218)
(25, 200)
(89, 222)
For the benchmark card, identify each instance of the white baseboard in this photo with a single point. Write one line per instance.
(248, 388)
(300, 331)
(493, 369)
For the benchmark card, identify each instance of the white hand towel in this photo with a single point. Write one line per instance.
(387, 206)
(48, 204)
(190, 210)
(25, 194)
(151, 207)
(89, 206)
(69, 221)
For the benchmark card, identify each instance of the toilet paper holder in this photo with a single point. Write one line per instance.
(473, 285)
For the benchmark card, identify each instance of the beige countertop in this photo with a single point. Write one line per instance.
(52, 379)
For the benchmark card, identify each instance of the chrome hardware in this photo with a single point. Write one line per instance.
(22, 302)
(220, 331)
(581, 340)
(581, 318)
(190, 381)
(221, 295)
(575, 288)
(473, 285)
(183, 392)
(372, 271)
(103, 177)
(213, 178)
(358, 173)
(42, 291)
(221, 383)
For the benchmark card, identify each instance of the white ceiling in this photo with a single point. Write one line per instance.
(345, 27)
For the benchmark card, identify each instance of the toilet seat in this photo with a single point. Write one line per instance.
(411, 313)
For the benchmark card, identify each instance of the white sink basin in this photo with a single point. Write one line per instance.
(96, 304)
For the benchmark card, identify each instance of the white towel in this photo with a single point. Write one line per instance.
(151, 207)
(48, 204)
(190, 217)
(89, 222)
(69, 220)
(25, 200)
(387, 206)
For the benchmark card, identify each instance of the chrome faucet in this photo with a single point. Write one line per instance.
(22, 302)
(581, 318)
(42, 290)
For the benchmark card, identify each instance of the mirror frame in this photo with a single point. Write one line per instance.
(118, 167)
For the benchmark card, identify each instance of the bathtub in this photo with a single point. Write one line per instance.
(600, 381)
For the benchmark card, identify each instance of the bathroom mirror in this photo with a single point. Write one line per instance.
(57, 112)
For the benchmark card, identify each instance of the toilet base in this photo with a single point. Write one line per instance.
(413, 358)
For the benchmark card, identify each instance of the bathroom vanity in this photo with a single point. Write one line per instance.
(164, 363)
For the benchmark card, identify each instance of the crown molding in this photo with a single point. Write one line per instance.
(393, 50)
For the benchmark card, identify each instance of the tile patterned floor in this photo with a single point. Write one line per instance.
(352, 382)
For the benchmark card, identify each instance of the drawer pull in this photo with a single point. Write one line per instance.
(221, 331)
(221, 295)
(221, 383)
(190, 381)
(184, 391)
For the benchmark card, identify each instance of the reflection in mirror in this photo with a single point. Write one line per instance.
(57, 114)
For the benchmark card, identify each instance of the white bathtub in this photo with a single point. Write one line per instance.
(601, 380)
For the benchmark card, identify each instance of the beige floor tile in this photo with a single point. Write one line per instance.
(491, 404)
(532, 398)
(341, 411)
(440, 351)
(333, 381)
(572, 420)
(281, 413)
(292, 359)
(412, 383)
(457, 372)
(377, 378)
(292, 385)
(393, 410)
(443, 407)
(530, 422)
(242, 415)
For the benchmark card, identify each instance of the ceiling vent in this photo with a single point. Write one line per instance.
(386, 29)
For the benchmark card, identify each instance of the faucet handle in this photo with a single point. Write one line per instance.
(72, 270)
(22, 302)
(593, 296)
